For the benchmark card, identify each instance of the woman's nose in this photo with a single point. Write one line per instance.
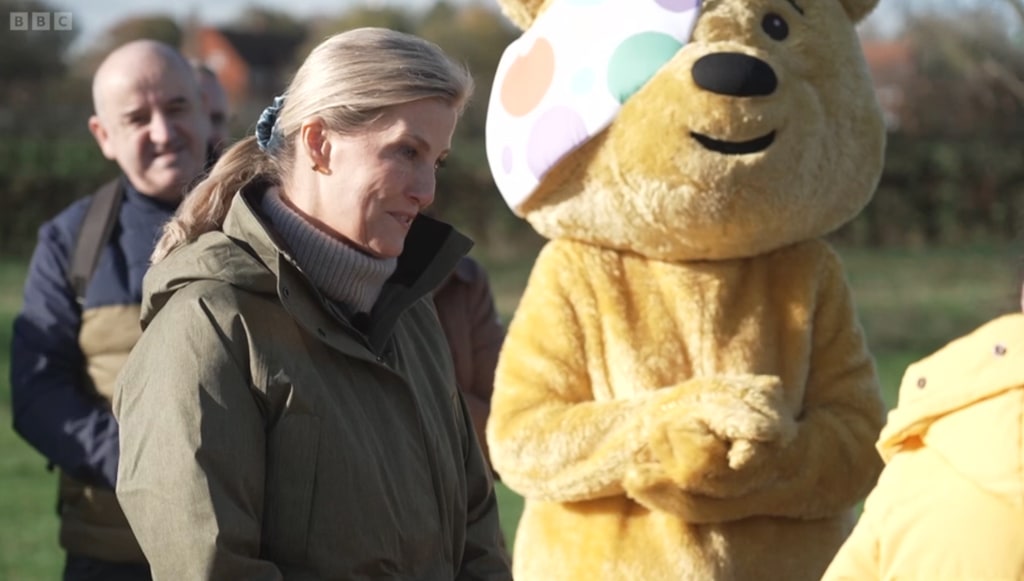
(423, 190)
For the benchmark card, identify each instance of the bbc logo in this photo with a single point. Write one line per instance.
(40, 20)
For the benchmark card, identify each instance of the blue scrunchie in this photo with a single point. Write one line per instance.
(265, 134)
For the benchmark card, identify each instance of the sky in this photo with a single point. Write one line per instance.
(92, 17)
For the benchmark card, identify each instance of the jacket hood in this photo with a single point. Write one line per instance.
(214, 256)
(247, 255)
(966, 403)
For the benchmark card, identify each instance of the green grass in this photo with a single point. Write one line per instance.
(28, 492)
(910, 302)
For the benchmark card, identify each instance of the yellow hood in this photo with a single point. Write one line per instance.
(966, 403)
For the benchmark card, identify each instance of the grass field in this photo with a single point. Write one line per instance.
(911, 303)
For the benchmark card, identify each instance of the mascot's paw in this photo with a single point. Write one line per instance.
(746, 407)
(652, 488)
(716, 444)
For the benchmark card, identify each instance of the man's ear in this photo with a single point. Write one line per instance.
(858, 9)
(314, 143)
(102, 138)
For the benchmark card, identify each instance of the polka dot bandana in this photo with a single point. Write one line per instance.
(565, 79)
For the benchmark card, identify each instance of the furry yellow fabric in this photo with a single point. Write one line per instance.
(645, 185)
(627, 387)
(685, 391)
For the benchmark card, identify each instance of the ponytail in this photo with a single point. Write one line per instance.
(205, 207)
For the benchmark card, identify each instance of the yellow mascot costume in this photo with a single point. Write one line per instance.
(685, 391)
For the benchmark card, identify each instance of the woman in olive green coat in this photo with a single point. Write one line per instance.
(290, 411)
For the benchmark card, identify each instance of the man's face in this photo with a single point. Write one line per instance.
(216, 101)
(151, 122)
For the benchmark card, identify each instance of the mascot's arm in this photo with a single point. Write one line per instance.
(549, 439)
(829, 464)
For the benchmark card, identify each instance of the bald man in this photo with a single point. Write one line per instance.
(80, 316)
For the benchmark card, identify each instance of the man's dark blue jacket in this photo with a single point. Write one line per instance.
(62, 351)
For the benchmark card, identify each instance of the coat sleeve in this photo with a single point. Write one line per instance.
(857, 559)
(484, 556)
(191, 480)
(51, 410)
(831, 463)
(487, 335)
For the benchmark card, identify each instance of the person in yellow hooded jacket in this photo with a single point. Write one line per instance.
(950, 501)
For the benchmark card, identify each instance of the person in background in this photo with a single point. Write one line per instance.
(465, 306)
(80, 315)
(215, 100)
(291, 409)
(950, 502)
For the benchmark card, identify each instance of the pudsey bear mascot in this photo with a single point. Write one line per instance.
(685, 391)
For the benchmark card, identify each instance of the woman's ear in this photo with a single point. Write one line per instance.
(315, 145)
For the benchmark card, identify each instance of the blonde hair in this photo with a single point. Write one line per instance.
(350, 80)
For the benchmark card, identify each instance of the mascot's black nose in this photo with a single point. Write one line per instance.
(734, 74)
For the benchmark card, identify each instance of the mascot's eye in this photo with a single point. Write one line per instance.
(775, 26)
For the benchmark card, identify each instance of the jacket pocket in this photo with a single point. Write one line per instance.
(292, 449)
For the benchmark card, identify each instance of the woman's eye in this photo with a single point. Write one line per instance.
(409, 152)
(775, 26)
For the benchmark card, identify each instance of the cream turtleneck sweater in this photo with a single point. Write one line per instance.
(337, 269)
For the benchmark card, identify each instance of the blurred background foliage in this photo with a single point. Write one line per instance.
(952, 85)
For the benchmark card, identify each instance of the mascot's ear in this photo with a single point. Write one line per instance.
(522, 12)
(858, 9)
